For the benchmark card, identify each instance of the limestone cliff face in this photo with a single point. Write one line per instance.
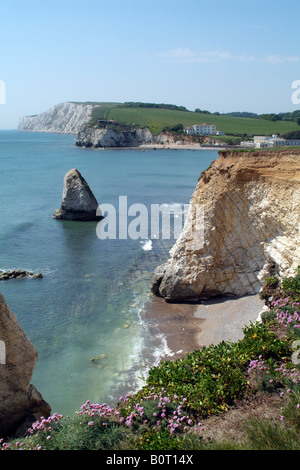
(20, 403)
(64, 118)
(250, 228)
(108, 138)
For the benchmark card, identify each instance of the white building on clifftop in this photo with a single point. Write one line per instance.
(202, 129)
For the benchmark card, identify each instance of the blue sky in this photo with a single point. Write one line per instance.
(217, 55)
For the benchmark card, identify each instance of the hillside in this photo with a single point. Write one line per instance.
(70, 116)
(157, 119)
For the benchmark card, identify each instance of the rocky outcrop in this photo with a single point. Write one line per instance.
(246, 228)
(78, 201)
(64, 118)
(19, 274)
(109, 138)
(20, 403)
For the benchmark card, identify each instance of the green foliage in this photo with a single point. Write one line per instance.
(78, 434)
(291, 411)
(229, 140)
(281, 433)
(265, 435)
(259, 341)
(286, 313)
(211, 378)
(131, 104)
(292, 135)
(291, 285)
(158, 440)
(202, 111)
(292, 116)
(243, 114)
(271, 281)
(270, 117)
(275, 290)
(178, 128)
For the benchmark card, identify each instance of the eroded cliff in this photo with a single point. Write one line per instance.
(249, 219)
(64, 118)
(110, 138)
(20, 403)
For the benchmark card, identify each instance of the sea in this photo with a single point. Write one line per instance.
(85, 316)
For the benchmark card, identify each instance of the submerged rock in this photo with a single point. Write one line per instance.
(20, 403)
(78, 201)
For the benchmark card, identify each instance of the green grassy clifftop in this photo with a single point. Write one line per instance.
(158, 117)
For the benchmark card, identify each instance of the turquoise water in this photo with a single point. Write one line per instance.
(90, 302)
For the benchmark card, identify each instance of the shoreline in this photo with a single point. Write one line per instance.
(187, 327)
(145, 147)
(181, 147)
(177, 324)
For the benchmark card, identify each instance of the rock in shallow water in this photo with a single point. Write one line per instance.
(18, 274)
(78, 201)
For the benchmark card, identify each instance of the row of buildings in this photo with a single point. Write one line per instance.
(262, 141)
(259, 141)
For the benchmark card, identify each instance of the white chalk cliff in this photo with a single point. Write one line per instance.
(64, 118)
(251, 228)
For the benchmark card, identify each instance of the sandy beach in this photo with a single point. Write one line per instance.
(187, 327)
(181, 146)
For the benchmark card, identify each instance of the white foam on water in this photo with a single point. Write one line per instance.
(147, 350)
(147, 245)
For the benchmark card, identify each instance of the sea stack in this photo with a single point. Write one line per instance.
(78, 201)
(20, 403)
